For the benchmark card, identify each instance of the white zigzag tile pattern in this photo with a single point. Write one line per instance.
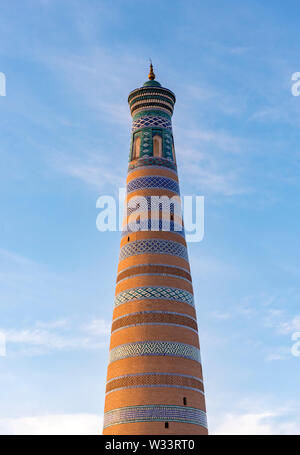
(153, 246)
(154, 292)
(157, 413)
(160, 348)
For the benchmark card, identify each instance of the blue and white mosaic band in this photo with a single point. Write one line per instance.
(153, 246)
(155, 348)
(154, 293)
(154, 181)
(157, 413)
(151, 121)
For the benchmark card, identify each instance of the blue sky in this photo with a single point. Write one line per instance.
(65, 130)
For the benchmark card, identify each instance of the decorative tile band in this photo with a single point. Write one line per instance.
(154, 373)
(153, 268)
(156, 348)
(153, 318)
(154, 181)
(153, 112)
(152, 99)
(157, 413)
(163, 226)
(152, 161)
(151, 121)
(151, 90)
(153, 246)
(144, 108)
(154, 293)
(151, 104)
(154, 380)
(150, 95)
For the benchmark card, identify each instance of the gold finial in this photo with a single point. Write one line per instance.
(151, 74)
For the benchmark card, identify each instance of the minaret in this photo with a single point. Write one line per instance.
(154, 379)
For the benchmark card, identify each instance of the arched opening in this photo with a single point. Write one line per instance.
(136, 147)
(157, 145)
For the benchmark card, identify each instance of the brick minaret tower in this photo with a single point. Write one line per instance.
(154, 380)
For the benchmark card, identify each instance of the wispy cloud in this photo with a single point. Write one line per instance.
(53, 424)
(97, 77)
(219, 315)
(201, 154)
(90, 168)
(282, 323)
(46, 337)
(268, 422)
(98, 327)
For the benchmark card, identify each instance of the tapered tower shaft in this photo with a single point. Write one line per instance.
(154, 379)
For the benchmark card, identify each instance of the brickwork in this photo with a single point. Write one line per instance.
(154, 374)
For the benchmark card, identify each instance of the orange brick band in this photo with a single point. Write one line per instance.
(152, 317)
(152, 380)
(153, 268)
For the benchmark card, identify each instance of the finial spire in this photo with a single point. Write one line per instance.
(151, 75)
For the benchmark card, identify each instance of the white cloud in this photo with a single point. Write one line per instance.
(20, 279)
(221, 139)
(55, 424)
(277, 319)
(200, 154)
(52, 324)
(279, 353)
(290, 326)
(262, 423)
(98, 77)
(98, 327)
(60, 335)
(220, 315)
(91, 168)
